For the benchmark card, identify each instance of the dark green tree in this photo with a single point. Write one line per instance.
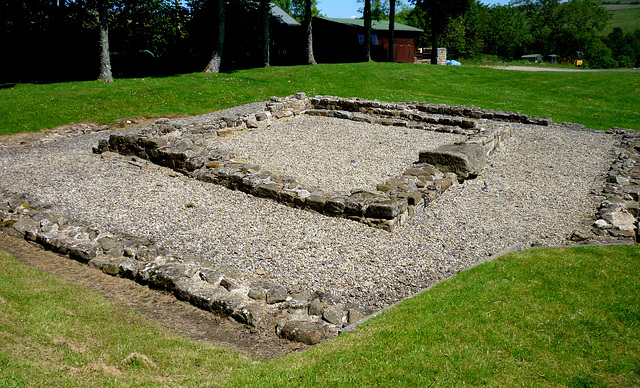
(465, 35)
(625, 48)
(578, 23)
(507, 34)
(542, 21)
(599, 56)
(243, 34)
(440, 13)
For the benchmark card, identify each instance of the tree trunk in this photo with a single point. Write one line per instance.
(367, 30)
(216, 58)
(307, 25)
(105, 57)
(265, 8)
(392, 30)
(177, 19)
(434, 46)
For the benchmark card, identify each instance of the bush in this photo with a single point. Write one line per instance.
(599, 56)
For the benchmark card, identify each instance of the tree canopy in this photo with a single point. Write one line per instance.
(296, 8)
(47, 40)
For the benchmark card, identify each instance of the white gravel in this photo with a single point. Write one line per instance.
(537, 190)
(333, 154)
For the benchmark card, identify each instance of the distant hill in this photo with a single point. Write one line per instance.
(626, 15)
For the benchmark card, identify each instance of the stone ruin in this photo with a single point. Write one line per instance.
(185, 150)
(299, 314)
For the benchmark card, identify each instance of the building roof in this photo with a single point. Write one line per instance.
(282, 16)
(376, 25)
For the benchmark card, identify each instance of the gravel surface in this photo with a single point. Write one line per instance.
(334, 154)
(553, 69)
(537, 190)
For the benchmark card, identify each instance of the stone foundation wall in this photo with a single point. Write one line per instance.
(616, 220)
(295, 314)
(185, 150)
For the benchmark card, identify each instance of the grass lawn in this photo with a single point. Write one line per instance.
(598, 100)
(55, 334)
(543, 317)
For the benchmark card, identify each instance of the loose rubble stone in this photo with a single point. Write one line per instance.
(276, 294)
(334, 314)
(317, 307)
(301, 331)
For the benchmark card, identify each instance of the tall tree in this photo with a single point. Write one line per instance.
(507, 33)
(367, 30)
(440, 14)
(297, 8)
(265, 11)
(216, 59)
(309, 35)
(392, 30)
(105, 55)
(579, 22)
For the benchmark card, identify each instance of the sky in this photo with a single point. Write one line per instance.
(349, 8)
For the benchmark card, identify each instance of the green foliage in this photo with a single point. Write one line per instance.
(381, 9)
(440, 13)
(57, 41)
(507, 34)
(625, 48)
(599, 56)
(522, 27)
(579, 23)
(465, 36)
(242, 37)
(35, 30)
(415, 17)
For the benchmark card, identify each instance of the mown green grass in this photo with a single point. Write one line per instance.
(54, 334)
(598, 100)
(543, 317)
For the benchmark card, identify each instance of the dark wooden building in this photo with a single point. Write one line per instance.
(342, 40)
(286, 38)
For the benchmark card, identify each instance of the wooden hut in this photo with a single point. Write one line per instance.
(342, 40)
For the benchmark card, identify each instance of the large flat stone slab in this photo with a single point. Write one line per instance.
(465, 160)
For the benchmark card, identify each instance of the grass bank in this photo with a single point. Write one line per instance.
(624, 15)
(55, 334)
(598, 100)
(544, 317)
